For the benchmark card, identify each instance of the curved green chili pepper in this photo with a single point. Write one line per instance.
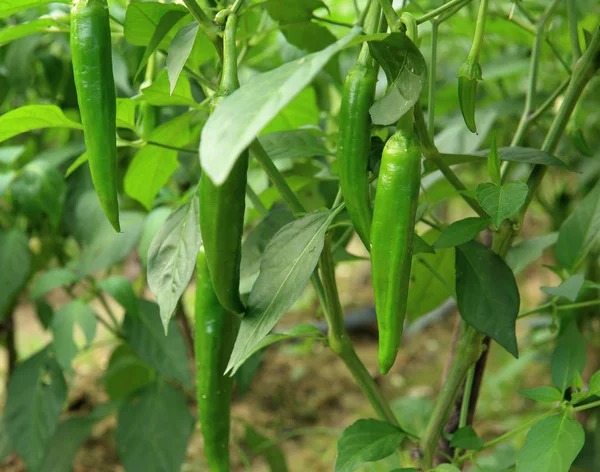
(392, 231)
(216, 330)
(95, 85)
(222, 206)
(354, 136)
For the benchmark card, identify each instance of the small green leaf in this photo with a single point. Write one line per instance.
(461, 232)
(568, 289)
(487, 294)
(579, 231)
(552, 445)
(366, 441)
(52, 279)
(287, 264)
(405, 69)
(466, 438)
(494, 163)
(543, 394)
(501, 202)
(172, 257)
(569, 356)
(30, 117)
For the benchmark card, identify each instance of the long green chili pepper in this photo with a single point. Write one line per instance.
(222, 206)
(216, 330)
(95, 85)
(396, 201)
(354, 137)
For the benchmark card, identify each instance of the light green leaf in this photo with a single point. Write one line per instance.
(460, 232)
(287, 264)
(30, 117)
(552, 445)
(568, 289)
(250, 108)
(63, 326)
(366, 441)
(52, 279)
(544, 394)
(15, 261)
(579, 232)
(501, 202)
(172, 257)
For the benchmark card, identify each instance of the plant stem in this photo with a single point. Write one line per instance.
(433, 13)
(432, 78)
(508, 435)
(339, 340)
(468, 350)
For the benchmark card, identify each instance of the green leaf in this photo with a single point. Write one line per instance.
(154, 427)
(63, 327)
(40, 190)
(466, 438)
(579, 231)
(50, 280)
(551, 445)
(172, 257)
(528, 251)
(249, 109)
(294, 144)
(303, 330)
(30, 117)
(36, 393)
(366, 441)
(569, 356)
(461, 232)
(502, 202)
(126, 373)
(405, 69)
(595, 384)
(494, 163)
(543, 394)
(15, 261)
(159, 92)
(10, 7)
(121, 290)
(568, 289)
(288, 262)
(40, 25)
(432, 279)
(487, 294)
(166, 354)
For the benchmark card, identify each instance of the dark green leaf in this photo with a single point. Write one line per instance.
(166, 354)
(466, 438)
(366, 441)
(405, 69)
(154, 427)
(568, 289)
(543, 394)
(249, 109)
(501, 202)
(487, 294)
(172, 257)
(552, 445)
(528, 251)
(36, 393)
(580, 231)
(288, 262)
(52, 279)
(569, 356)
(461, 232)
(15, 260)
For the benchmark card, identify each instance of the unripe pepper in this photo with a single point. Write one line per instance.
(216, 330)
(95, 85)
(222, 206)
(392, 231)
(354, 136)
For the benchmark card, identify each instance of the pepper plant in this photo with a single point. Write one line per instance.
(236, 147)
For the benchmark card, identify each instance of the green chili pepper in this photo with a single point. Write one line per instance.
(222, 206)
(95, 85)
(396, 201)
(354, 137)
(216, 330)
(469, 74)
